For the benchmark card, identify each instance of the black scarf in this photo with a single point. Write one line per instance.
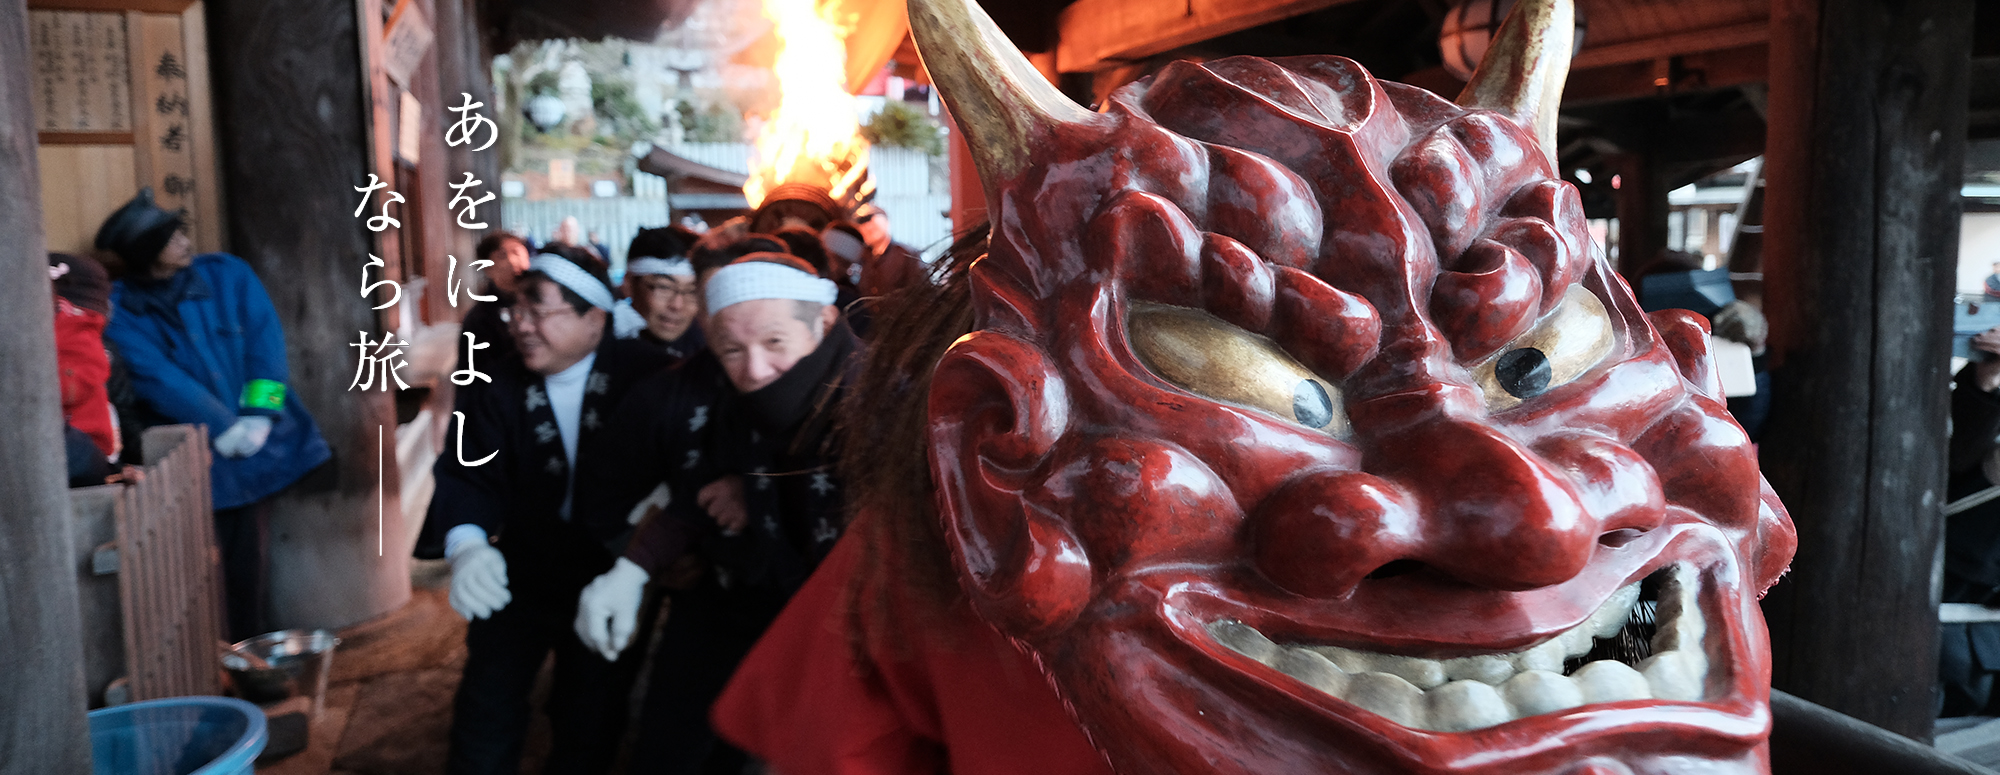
(783, 404)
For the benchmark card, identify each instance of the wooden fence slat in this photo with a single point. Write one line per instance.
(168, 586)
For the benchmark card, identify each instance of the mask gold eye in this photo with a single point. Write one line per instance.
(1201, 354)
(1571, 340)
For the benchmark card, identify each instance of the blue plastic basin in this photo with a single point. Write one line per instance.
(177, 736)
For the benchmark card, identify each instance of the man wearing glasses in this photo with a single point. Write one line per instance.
(661, 285)
(531, 441)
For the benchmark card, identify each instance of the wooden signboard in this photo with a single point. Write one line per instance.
(121, 102)
(405, 38)
(81, 76)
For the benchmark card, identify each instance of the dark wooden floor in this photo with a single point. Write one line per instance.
(389, 703)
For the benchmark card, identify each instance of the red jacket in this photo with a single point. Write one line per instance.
(963, 699)
(84, 366)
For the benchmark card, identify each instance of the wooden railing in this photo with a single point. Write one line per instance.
(157, 536)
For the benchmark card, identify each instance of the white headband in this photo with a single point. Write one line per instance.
(842, 244)
(573, 277)
(754, 280)
(675, 267)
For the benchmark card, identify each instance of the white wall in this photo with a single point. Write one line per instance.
(1978, 249)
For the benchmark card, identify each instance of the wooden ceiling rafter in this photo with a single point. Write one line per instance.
(1672, 45)
(142, 6)
(1097, 34)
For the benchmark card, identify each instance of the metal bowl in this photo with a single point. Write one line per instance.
(276, 665)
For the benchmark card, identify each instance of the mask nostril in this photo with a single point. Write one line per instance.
(1396, 568)
(1620, 537)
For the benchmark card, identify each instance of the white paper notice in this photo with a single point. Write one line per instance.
(1733, 364)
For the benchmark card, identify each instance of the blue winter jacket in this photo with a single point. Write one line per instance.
(205, 347)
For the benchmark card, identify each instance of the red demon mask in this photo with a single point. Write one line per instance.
(1304, 429)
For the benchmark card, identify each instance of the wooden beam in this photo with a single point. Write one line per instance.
(1865, 154)
(465, 67)
(1642, 210)
(84, 138)
(42, 701)
(293, 120)
(142, 6)
(1672, 45)
(207, 195)
(1095, 34)
(1713, 69)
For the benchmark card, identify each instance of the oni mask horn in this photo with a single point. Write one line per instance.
(1523, 71)
(1000, 102)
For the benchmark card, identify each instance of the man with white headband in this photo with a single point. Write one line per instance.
(763, 510)
(528, 451)
(660, 288)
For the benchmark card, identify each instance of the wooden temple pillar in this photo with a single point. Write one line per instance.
(1866, 140)
(42, 700)
(293, 121)
(464, 66)
(1642, 210)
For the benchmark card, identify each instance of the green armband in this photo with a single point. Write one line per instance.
(264, 394)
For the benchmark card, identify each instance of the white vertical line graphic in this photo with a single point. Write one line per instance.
(378, 491)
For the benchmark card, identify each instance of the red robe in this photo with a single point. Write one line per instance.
(84, 366)
(960, 698)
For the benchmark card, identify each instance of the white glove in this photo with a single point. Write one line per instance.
(656, 500)
(608, 610)
(478, 581)
(244, 437)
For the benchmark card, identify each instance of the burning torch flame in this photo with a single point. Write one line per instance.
(812, 137)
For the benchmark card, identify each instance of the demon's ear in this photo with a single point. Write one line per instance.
(997, 408)
(1523, 71)
(1686, 335)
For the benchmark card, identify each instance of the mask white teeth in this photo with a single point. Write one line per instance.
(1312, 669)
(1675, 675)
(1390, 697)
(1423, 673)
(1477, 692)
(1536, 692)
(1485, 668)
(1244, 639)
(1347, 659)
(1549, 656)
(1616, 611)
(1609, 680)
(1462, 705)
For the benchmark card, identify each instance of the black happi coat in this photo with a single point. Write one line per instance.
(690, 342)
(779, 439)
(517, 496)
(662, 427)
